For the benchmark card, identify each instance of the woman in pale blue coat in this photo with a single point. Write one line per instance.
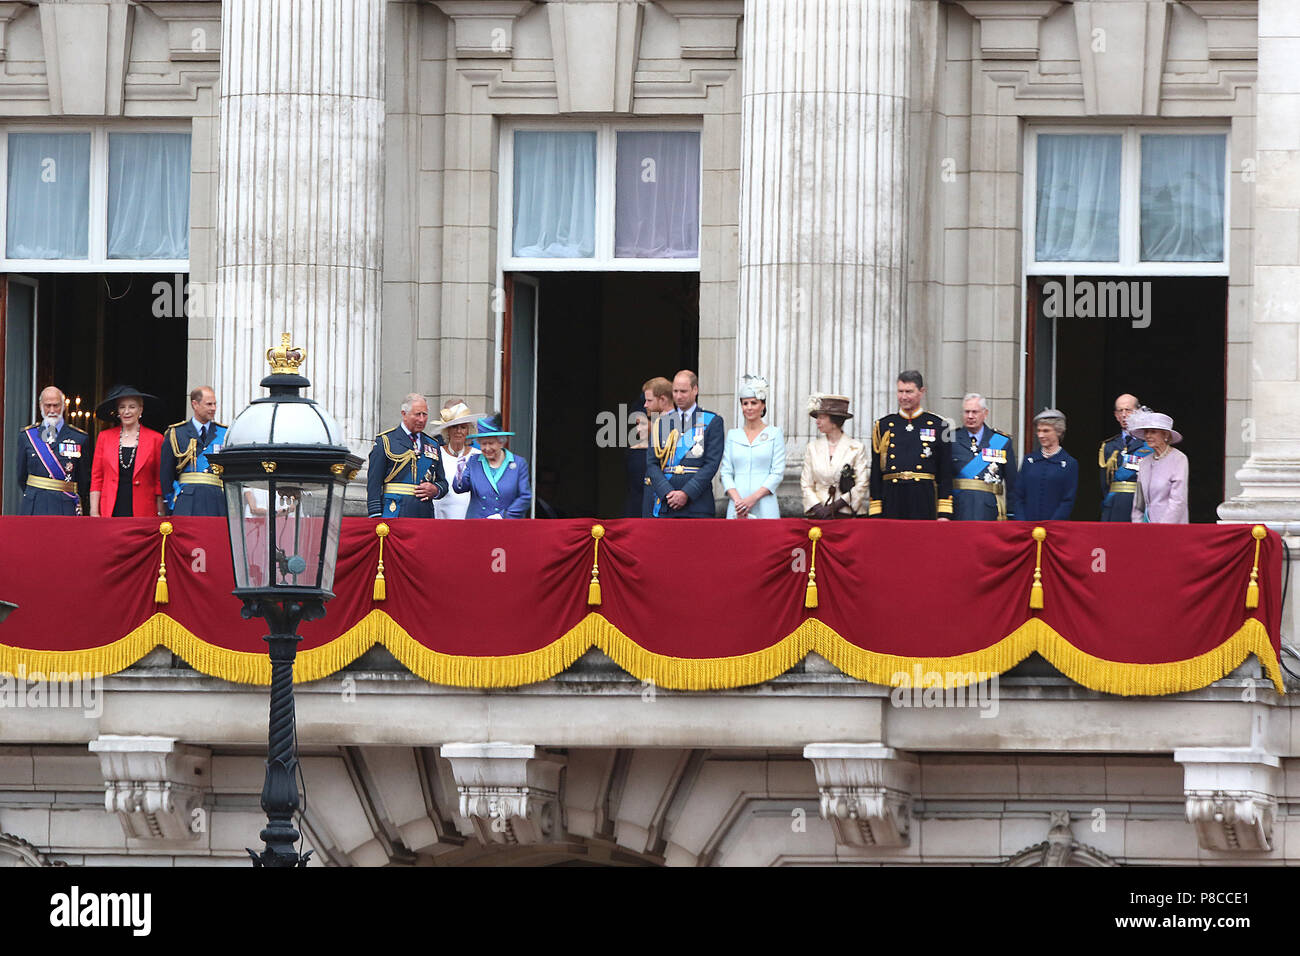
(753, 458)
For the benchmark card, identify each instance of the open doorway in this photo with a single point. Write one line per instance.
(595, 338)
(1167, 347)
(85, 332)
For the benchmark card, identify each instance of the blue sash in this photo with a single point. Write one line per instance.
(975, 467)
(46, 455)
(1127, 474)
(684, 446)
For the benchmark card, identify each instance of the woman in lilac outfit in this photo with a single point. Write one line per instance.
(1162, 479)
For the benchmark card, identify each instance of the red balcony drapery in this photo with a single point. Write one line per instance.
(1127, 609)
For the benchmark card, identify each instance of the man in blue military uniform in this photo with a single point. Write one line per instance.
(53, 461)
(405, 474)
(911, 469)
(685, 453)
(983, 464)
(188, 484)
(1119, 459)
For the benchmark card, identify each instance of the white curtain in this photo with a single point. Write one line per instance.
(149, 195)
(49, 196)
(555, 195)
(1078, 198)
(657, 201)
(1182, 198)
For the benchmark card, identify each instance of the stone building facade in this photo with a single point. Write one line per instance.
(871, 195)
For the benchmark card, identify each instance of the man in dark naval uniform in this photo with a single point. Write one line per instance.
(405, 473)
(53, 461)
(188, 484)
(983, 465)
(911, 465)
(1119, 459)
(685, 453)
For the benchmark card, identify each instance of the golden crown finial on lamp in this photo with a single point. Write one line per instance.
(285, 358)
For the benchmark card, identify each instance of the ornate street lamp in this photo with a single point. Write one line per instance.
(285, 469)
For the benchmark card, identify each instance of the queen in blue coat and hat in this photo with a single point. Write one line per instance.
(495, 477)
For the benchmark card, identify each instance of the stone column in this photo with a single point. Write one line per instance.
(1270, 479)
(299, 200)
(822, 205)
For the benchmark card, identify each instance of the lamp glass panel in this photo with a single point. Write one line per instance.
(299, 528)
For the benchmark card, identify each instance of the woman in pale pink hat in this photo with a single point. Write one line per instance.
(1162, 480)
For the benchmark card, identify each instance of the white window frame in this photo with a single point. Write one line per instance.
(606, 157)
(1130, 239)
(97, 251)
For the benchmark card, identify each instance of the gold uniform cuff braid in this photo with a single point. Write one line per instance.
(875, 506)
(945, 506)
(398, 488)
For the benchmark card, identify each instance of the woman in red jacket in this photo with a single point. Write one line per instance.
(124, 480)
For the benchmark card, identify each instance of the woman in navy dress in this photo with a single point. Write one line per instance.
(1045, 488)
(496, 478)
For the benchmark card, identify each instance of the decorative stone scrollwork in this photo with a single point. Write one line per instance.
(1060, 848)
(866, 792)
(15, 851)
(153, 784)
(508, 792)
(1231, 796)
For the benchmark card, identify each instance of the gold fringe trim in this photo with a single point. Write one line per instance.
(676, 673)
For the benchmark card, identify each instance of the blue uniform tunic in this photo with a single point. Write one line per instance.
(188, 484)
(67, 459)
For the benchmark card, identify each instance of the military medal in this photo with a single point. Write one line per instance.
(909, 427)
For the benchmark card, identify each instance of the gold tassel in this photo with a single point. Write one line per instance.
(810, 593)
(1252, 589)
(1036, 591)
(593, 589)
(160, 595)
(381, 587)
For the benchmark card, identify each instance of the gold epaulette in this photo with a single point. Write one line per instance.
(79, 431)
(177, 424)
(386, 431)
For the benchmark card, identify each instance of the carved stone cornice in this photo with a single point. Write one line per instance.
(707, 31)
(1231, 795)
(1009, 29)
(153, 784)
(1231, 27)
(508, 792)
(484, 28)
(193, 29)
(866, 792)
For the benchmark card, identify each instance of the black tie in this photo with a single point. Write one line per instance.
(203, 437)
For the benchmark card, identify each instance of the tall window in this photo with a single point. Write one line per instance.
(602, 198)
(1127, 201)
(95, 199)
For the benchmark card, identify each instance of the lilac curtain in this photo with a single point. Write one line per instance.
(657, 201)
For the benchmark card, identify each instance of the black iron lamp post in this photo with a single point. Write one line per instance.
(285, 469)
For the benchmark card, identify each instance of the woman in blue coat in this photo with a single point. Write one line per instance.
(496, 479)
(1045, 488)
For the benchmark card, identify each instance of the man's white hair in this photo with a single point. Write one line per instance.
(976, 396)
(411, 399)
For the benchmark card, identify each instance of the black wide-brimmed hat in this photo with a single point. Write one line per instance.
(107, 408)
